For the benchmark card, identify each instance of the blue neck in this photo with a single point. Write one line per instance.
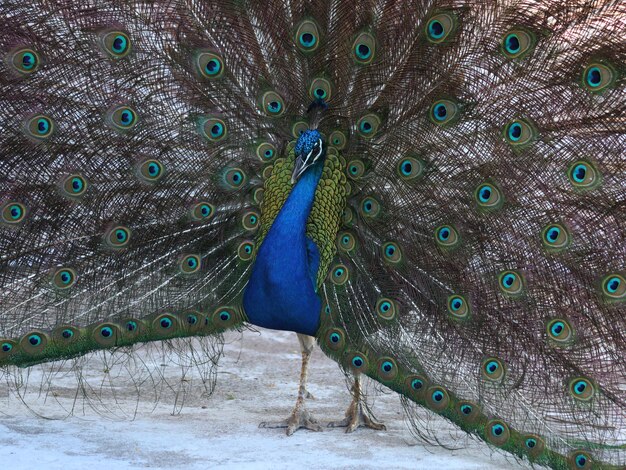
(281, 292)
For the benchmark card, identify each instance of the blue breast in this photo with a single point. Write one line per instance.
(281, 292)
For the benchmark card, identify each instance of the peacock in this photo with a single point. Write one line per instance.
(433, 191)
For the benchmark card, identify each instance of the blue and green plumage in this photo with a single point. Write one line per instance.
(462, 241)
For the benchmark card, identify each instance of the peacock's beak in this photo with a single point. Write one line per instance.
(300, 167)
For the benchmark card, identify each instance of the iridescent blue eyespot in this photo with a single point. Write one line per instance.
(307, 36)
(497, 429)
(515, 131)
(581, 389)
(166, 323)
(122, 118)
(437, 396)
(6, 347)
(531, 443)
(13, 213)
(335, 338)
(511, 282)
(273, 103)
(512, 44)
(517, 43)
(387, 366)
(493, 369)
(116, 43)
(466, 409)
(439, 27)
(67, 333)
(560, 331)
(364, 48)
(131, 326)
(614, 287)
(64, 278)
(458, 307)
(599, 76)
(25, 61)
(34, 340)
(440, 112)
(106, 332)
(417, 384)
(357, 361)
(519, 133)
(581, 460)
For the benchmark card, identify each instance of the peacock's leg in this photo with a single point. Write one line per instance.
(300, 417)
(356, 415)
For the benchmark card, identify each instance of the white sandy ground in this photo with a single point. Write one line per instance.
(257, 380)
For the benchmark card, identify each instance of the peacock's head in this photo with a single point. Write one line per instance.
(310, 149)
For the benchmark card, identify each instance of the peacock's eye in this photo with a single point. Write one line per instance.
(189, 264)
(40, 127)
(64, 278)
(272, 104)
(13, 213)
(493, 369)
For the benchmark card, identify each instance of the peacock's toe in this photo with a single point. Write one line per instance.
(355, 418)
(299, 419)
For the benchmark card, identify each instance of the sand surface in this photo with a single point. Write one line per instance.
(257, 380)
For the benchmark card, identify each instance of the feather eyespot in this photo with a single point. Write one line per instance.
(40, 127)
(409, 168)
(392, 252)
(443, 112)
(511, 282)
(321, 89)
(34, 342)
(519, 132)
(517, 43)
(488, 196)
(245, 250)
(386, 309)
(387, 369)
(583, 175)
(189, 264)
(13, 213)
(497, 432)
(581, 460)
(250, 220)
(118, 237)
(123, 118)
(339, 274)
(368, 125)
(358, 362)
(534, 445)
(458, 307)
(335, 339)
(225, 317)
(299, 128)
(272, 104)
(369, 207)
(346, 241)
(437, 398)
(151, 171)
(468, 411)
(440, 27)
(209, 65)
(234, 178)
(265, 152)
(25, 61)
(555, 237)
(415, 386)
(597, 77)
(493, 369)
(74, 186)
(614, 287)
(447, 236)
(64, 278)
(338, 140)
(560, 331)
(307, 36)
(202, 212)
(364, 48)
(116, 43)
(581, 389)
(213, 129)
(356, 169)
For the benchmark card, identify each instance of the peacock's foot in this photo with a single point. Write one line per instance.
(356, 418)
(299, 419)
